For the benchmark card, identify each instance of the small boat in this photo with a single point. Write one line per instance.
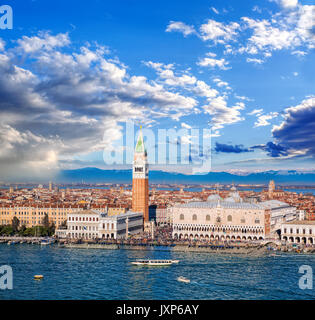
(154, 262)
(46, 242)
(12, 242)
(38, 277)
(183, 279)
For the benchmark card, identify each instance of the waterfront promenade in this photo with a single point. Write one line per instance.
(249, 248)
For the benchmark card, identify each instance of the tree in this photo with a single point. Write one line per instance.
(15, 224)
(45, 221)
(64, 224)
(6, 230)
(51, 229)
(22, 230)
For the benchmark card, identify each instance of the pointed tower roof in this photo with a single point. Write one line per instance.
(140, 147)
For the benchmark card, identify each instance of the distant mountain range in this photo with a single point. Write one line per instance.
(95, 175)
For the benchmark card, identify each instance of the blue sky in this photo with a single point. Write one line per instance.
(73, 72)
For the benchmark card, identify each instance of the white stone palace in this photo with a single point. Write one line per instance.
(230, 219)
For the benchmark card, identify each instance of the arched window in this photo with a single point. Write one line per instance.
(194, 217)
(218, 219)
(208, 217)
(181, 217)
(229, 218)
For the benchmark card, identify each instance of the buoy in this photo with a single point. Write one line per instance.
(38, 277)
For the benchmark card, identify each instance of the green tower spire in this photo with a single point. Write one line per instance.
(140, 147)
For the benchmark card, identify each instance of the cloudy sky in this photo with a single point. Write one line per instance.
(73, 72)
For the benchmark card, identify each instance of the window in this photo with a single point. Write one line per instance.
(242, 220)
(297, 231)
(229, 218)
(257, 221)
(218, 219)
(285, 230)
(310, 231)
(138, 169)
(303, 231)
(291, 230)
(181, 217)
(194, 217)
(208, 218)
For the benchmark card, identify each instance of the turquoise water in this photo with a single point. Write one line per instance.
(108, 274)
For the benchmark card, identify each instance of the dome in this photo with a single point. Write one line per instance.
(214, 197)
(230, 199)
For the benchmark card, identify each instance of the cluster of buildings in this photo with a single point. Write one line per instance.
(118, 212)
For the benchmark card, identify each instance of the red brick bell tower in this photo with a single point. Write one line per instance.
(140, 180)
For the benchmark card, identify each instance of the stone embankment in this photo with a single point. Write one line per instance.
(251, 249)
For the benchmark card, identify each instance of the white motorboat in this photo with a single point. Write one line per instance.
(183, 279)
(154, 262)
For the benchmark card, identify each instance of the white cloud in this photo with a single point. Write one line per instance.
(177, 26)
(287, 31)
(255, 60)
(220, 83)
(299, 53)
(218, 32)
(244, 98)
(221, 114)
(257, 9)
(211, 62)
(2, 45)
(185, 125)
(215, 10)
(204, 90)
(267, 37)
(289, 3)
(256, 112)
(188, 82)
(44, 41)
(263, 120)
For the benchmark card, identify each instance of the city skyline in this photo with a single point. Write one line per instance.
(70, 83)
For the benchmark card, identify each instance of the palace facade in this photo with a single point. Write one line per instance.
(221, 220)
(231, 218)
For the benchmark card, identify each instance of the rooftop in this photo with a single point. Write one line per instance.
(221, 204)
(273, 204)
(302, 222)
(89, 211)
